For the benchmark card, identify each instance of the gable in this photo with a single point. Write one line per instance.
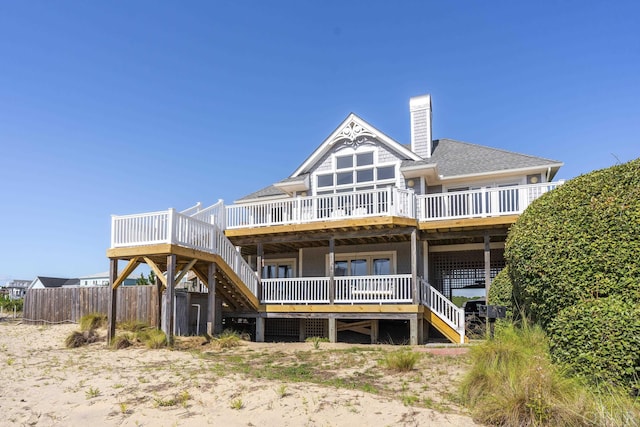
(352, 132)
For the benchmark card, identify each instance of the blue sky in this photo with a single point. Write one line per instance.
(126, 107)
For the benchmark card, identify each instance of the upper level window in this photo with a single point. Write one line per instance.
(356, 171)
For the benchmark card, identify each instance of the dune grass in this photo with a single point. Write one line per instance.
(512, 382)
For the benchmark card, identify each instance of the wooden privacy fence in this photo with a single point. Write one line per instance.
(59, 305)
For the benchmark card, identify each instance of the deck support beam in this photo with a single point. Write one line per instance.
(333, 330)
(413, 330)
(303, 329)
(113, 301)
(487, 265)
(260, 329)
(211, 300)
(375, 331)
(167, 309)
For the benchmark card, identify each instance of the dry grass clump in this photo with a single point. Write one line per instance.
(401, 360)
(123, 340)
(79, 338)
(227, 339)
(92, 321)
(153, 338)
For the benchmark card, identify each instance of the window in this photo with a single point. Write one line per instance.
(367, 264)
(278, 268)
(357, 170)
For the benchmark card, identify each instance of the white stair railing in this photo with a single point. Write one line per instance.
(443, 308)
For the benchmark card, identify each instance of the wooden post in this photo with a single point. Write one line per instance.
(420, 330)
(211, 300)
(333, 330)
(303, 329)
(487, 266)
(414, 266)
(374, 331)
(332, 267)
(413, 330)
(487, 272)
(260, 251)
(113, 300)
(158, 284)
(217, 328)
(167, 310)
(260, 329)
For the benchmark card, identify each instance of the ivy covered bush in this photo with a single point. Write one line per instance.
(599, 340)
(574, 264)
(578, 242)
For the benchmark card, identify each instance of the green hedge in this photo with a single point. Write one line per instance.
(599, 340)
(501, 291)
(578, 242)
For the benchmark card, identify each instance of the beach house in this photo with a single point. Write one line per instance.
(369, 235)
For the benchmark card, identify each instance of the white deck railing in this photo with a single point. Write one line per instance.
(391, 289)
(443, 307)
(481, 202)
(179, 229)
(394, 288)
(387, 201)
(301, 290)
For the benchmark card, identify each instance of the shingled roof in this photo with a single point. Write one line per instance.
(455, 158)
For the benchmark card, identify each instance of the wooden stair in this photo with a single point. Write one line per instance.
(444, 328)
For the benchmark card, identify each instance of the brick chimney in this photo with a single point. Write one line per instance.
(420, 108)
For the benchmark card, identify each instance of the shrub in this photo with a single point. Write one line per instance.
(599, 340)
(92, 321)
(401, 360)
(578, 242)
(501, 291)
(10, 304)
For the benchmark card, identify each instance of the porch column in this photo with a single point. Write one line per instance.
(260, 329)
(332, 267)
(333, 330)
(260, 256)
(113, 300)
(217, 328)
(211, 300)
(414, 266)
(167, 310)
(413, 330)
(425, 260)
(487, 266)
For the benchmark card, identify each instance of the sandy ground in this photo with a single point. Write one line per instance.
(44, 384)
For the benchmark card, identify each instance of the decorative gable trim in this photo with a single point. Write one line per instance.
(353, 131)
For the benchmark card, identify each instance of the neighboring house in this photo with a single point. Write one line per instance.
(367, 235)
(42, 282)
(16, 289)
(102, 279)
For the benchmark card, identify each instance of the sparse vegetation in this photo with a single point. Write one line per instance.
(237, 404)
(92, 392)
(227, 339)
(316, 341)
(401, 360)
